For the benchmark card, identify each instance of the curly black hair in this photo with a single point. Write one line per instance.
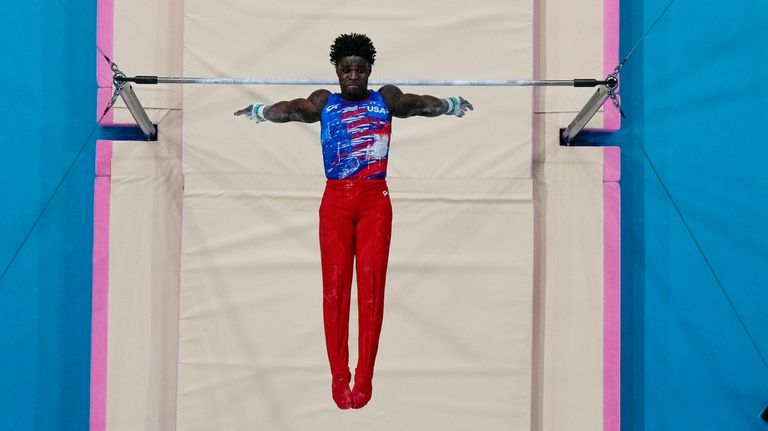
(352, 44)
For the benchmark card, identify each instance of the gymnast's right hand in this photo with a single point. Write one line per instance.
(254, 112)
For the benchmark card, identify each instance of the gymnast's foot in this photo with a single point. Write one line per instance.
(362, 392)
(342, 396)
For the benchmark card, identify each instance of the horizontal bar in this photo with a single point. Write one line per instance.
(401, 82)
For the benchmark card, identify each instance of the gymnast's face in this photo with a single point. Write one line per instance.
(353, 73)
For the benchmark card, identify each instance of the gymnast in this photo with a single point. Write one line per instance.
(355, 211)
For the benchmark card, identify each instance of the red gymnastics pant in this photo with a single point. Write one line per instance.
(355, 226)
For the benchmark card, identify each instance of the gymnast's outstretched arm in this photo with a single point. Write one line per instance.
(404, 105)
(303, 110)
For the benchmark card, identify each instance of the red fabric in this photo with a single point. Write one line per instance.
(342, 396)
(355, 227)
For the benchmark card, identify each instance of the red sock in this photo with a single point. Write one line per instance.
(342, 396)
(362, 391)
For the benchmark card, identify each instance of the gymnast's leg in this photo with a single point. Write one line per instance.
(337, 242)
(373, 233)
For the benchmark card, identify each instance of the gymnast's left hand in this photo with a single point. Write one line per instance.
(244, 111)
(457, 106)
(254, 112)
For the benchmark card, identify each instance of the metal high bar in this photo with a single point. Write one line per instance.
(604, 91)
(150, 79)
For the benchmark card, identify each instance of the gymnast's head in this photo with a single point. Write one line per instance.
(353, 56)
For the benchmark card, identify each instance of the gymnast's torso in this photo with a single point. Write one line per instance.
(355, 137)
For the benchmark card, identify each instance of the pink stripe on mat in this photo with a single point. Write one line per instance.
(103, 96)
(99, 307)
(611, 117)
(105, 41)
(101, 198)
(99, 317)
(611, 164)
(104, 159)
(611, 289)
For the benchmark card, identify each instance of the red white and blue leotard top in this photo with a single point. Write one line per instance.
(355, 137)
